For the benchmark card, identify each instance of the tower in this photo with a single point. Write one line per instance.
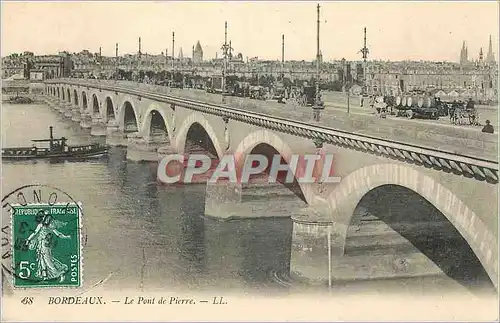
(198, 53)
(463, 55)
(490, 58)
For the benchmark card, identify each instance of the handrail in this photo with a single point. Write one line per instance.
(470, 166)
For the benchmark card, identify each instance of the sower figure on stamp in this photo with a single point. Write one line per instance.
(41, 241)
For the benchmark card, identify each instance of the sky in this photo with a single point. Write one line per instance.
(396, 30)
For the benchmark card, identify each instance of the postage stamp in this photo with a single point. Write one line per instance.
(47, 245)
(43, 238)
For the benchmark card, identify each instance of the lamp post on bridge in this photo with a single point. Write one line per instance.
(116, 59)
(173, 60)
(224, 65)
(364, 51)
(166, 66)
(316, 107)
(347, 82)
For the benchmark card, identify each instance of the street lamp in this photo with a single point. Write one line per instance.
(173, 60)
(316, 108)
(347, 83)
(116, 59)
(365, 53)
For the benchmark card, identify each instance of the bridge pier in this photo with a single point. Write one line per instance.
(310, 251)
(226, 200)
(164, 151)
(51, 102)
(75, 114)
(47, 99)
(68, 111)
(59, 106)
(85, 120)
(115, 136)
(55, 105)
(145, 148)
(98, 127)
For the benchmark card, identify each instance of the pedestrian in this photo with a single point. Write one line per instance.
(454, 107)
(488, 128)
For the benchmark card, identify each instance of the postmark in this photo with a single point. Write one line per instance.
(42, 238)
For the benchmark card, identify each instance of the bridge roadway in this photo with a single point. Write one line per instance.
(448, 174)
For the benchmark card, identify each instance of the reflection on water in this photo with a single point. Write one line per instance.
(139, 234)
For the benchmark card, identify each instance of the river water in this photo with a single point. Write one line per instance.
(148, 237)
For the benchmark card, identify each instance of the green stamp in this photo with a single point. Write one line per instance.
(47, 245)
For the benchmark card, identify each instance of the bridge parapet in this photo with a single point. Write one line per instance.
(456, 139)
(483, 168)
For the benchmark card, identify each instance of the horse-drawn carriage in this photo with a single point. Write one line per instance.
(417, 105)
(304, 96)
(461, 113)
(258, 92)
(279, 92)
(241, 89)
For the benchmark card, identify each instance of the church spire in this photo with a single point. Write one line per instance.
(463, 54)
(490, 58)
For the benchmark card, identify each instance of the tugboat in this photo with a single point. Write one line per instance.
(57, 150)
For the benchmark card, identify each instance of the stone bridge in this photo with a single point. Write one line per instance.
(401, 204)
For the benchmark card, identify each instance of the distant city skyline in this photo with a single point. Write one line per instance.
(430, 31)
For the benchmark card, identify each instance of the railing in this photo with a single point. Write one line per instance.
(468, 166)
(23, 151)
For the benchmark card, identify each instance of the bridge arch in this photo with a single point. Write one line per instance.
(268, 138)
(84, 101)
(128, 119)
(199, 119)
(156, 120)
(110, 110)
(95, 105)
(75, 98)
(349, 192)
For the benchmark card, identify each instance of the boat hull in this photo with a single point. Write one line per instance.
(59, 156)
